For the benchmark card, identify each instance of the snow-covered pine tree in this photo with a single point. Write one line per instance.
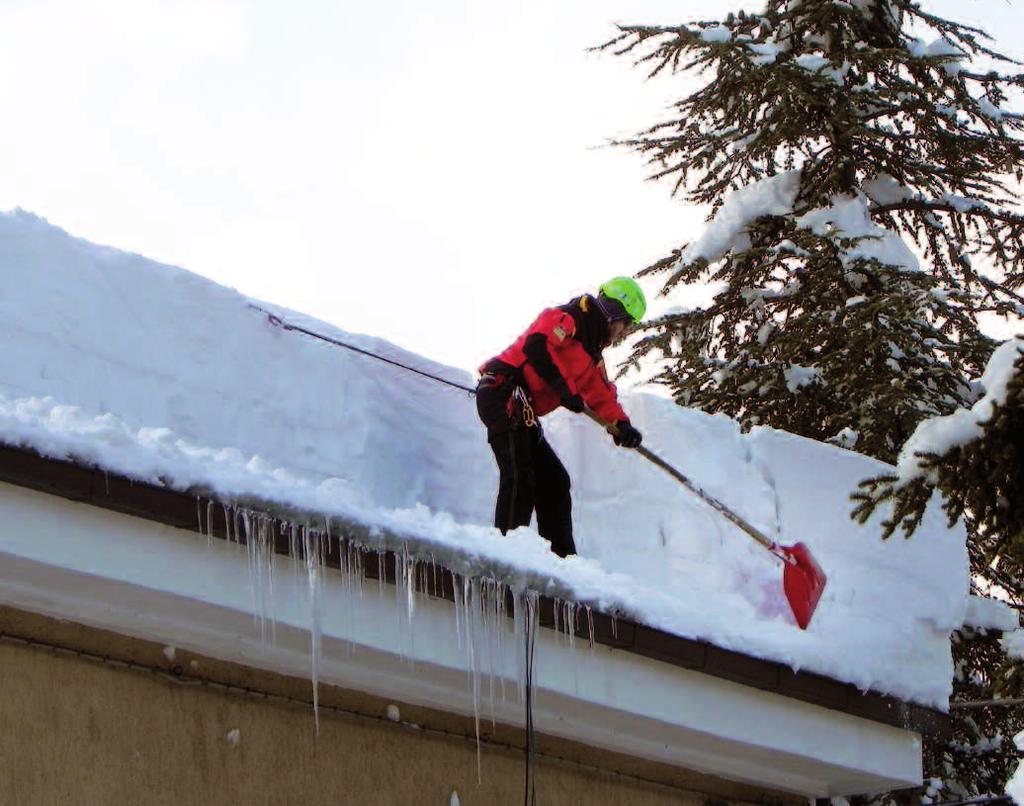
(824, 132)
(975, 458)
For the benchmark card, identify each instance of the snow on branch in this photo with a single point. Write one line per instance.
(774, 195)
(940, 435)
(971, 456)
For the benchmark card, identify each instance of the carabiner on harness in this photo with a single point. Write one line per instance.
(528, 416)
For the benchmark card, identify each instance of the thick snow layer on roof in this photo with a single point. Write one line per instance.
(155, 372)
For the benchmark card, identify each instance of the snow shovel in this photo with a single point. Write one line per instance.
(802, 577)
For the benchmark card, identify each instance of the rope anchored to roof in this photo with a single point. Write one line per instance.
(277, 321)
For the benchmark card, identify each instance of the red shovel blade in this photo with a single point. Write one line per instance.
(803, 581)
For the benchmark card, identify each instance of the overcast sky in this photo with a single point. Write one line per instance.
(426, 172)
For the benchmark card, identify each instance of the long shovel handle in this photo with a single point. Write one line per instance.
(751, 530)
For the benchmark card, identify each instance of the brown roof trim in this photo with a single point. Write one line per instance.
(97, 487)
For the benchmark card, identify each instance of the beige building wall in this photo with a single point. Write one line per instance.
(90, 717)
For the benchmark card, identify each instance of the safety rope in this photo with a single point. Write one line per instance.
(277, 321)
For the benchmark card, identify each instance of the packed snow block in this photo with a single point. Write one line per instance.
(111, 332)
(886, 614)
(631, 516)
(894, 598)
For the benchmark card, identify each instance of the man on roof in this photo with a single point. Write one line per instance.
(557, 362)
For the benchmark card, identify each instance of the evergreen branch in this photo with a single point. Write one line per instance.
(938, 22)
(1009, 702)
(964, 34)
(921, 205)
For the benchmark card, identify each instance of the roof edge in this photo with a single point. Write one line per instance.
(89, 484)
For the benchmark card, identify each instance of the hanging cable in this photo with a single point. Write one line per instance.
(530, 787)
(277, 321)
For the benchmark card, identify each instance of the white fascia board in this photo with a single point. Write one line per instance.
(143, 579)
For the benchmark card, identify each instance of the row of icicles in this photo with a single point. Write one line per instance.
(481, 604)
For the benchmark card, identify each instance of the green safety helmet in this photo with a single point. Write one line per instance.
(627, 292)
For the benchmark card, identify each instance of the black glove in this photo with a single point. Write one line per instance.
(627, 436)
(573, 403)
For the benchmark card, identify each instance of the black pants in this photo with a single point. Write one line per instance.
(531, 477)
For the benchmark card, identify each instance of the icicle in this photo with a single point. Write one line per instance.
(501, 626)
(266, 530)
(310, 544)
(488, 589)
(381, 571)
(459, 609)
(356, 566)
(472, 608)
(255, 578)
(410, 585)
(293, 546)
(345, 571)
(401, 607)
(590, 625)
(260, 552)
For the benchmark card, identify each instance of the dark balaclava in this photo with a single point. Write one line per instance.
(612, 309)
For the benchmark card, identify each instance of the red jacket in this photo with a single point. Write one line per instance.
(556, 359)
